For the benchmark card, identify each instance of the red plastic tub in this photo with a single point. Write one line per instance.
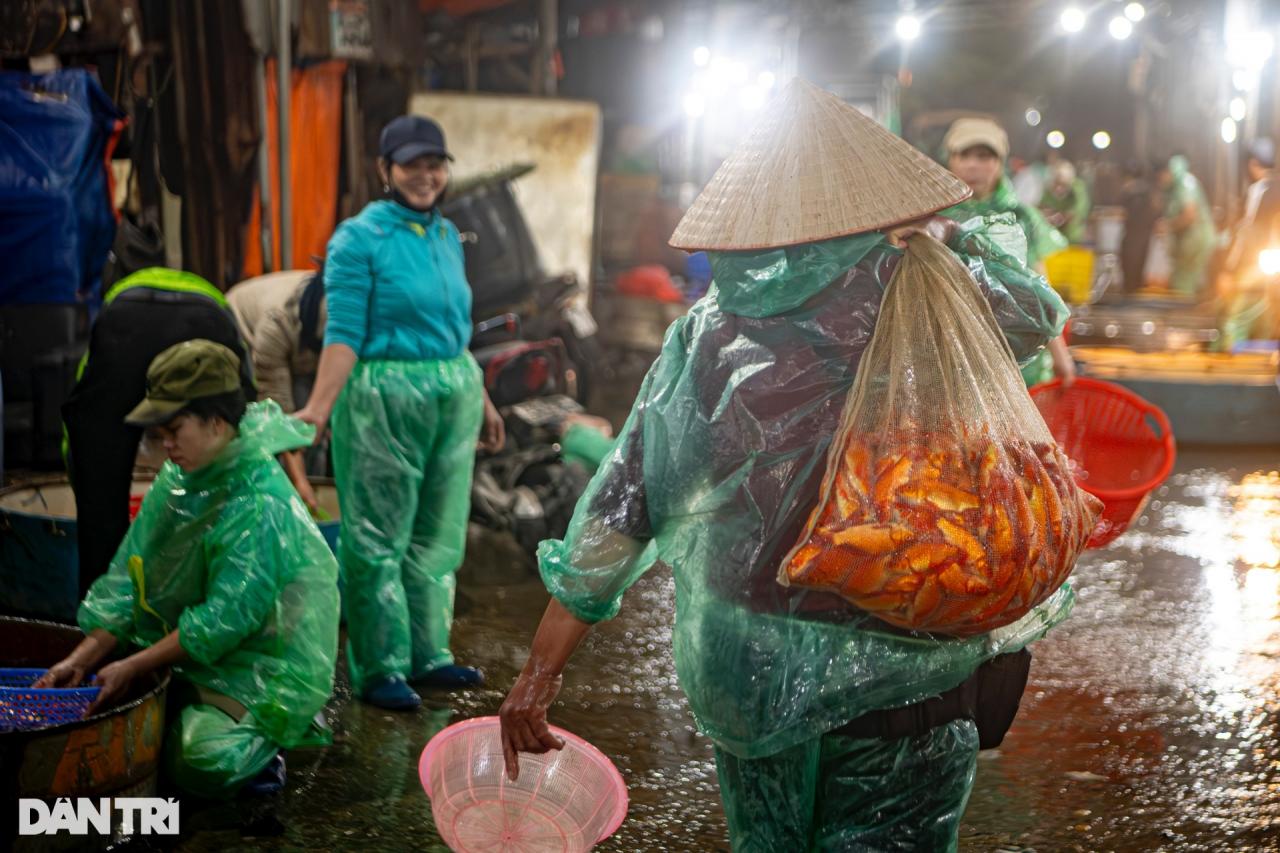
(1120, 445)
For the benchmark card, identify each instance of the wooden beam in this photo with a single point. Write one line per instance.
(472, 57)
(543, 80)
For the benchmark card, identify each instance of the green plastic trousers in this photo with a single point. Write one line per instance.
(1191, 258)
(843, 794)
(404, 441)
(1250, 315)
(208, 754)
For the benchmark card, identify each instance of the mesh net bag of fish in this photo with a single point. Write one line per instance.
(946, 506)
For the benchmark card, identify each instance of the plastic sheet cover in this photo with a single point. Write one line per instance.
(57, 223)
(229, 557)
(719, 465)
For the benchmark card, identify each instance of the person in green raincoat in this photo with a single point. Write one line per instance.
(976, 151)
(224, 577)
(1066, 202)
(719, 465)
(407, 402)
(1190, 224)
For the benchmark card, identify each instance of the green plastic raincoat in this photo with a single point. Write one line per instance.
(1193, 245)
(1042, 240)
(229, 557)
(715, 473)
(1074, 203)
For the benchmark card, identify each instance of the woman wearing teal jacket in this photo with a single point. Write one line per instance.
(224, 577)
(407, 403)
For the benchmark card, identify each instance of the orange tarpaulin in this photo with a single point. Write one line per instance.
(315, 143)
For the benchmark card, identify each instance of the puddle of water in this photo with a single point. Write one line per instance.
(1150, 723)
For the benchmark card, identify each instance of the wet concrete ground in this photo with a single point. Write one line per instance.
(1150, 723)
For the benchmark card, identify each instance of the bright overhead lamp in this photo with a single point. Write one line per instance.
(907, 28)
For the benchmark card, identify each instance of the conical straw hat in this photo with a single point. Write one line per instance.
(813, 169)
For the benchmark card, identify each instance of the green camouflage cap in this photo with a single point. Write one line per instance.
(182, 373)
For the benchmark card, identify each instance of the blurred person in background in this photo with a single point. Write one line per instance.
(1242, 287)
(1140, 212)
(1066, 202)
(281, 316)
(1188, 220)
(976, 150)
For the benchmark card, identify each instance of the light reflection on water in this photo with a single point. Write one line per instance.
(1152, 718)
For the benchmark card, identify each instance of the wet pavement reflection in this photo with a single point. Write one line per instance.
(1150, 723)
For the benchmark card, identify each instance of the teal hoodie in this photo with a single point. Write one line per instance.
(396, 285)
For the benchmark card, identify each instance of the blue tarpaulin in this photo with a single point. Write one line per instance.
(56, 218)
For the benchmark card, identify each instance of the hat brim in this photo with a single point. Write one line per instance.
(964, 143)
(414, 150)
(153, 412)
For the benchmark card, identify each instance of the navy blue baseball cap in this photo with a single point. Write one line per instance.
(408, 137)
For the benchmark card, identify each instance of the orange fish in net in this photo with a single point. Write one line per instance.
(946, 507)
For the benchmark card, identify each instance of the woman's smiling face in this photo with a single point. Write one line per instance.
(420, 181)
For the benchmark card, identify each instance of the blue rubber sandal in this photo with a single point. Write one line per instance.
(393, 695)
(270, 779)
(451, 676)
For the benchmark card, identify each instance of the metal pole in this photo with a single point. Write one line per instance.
(284, 65)
(355, 141)
(264, 165)
(544, 79)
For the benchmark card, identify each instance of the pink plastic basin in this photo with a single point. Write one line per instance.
(567, 800)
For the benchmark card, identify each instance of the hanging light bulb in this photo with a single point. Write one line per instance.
(1073, 19)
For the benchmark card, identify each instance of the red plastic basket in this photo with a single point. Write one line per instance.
(1120, 445)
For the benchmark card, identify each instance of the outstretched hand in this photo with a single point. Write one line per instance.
(318, 419)
(493, 435)
(524, 719)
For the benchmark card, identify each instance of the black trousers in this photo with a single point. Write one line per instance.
(137, 326)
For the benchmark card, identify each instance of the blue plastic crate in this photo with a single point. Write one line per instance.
(24, 707)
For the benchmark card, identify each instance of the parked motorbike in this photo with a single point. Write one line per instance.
(535, 340)
(507, 277)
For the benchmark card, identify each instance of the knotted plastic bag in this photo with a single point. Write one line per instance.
(946, 506)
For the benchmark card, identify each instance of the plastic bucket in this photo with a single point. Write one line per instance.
(566, 800)
(1120, 445)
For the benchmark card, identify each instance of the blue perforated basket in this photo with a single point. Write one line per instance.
(23, 707)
